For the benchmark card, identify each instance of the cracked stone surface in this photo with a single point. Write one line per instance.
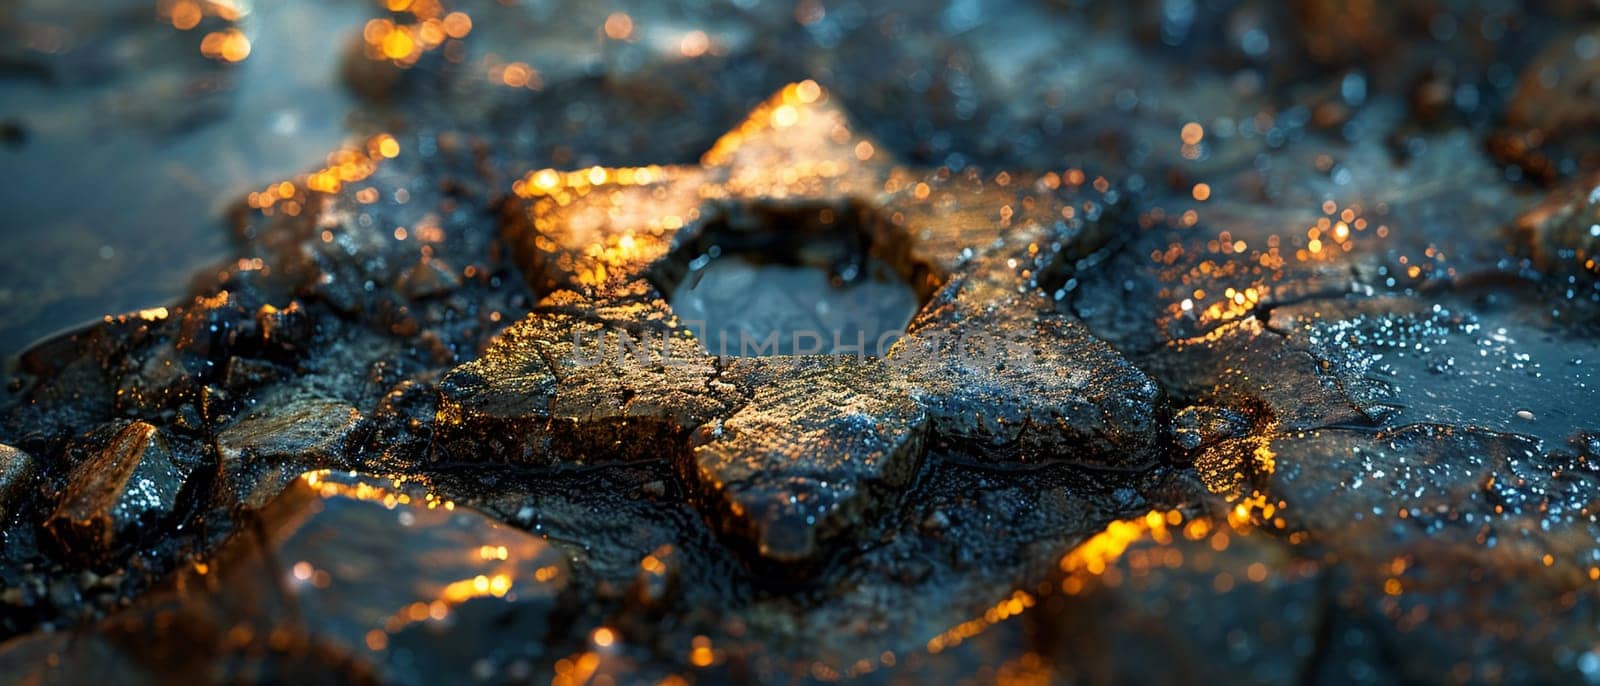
(1242, 341)
(796, 452)
(819, 442)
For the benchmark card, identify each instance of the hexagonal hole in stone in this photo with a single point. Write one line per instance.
(777, 277)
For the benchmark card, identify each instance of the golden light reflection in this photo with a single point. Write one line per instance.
(390, 496)
(1209, 284)
(619, 26)
(514, 74)
(576, 670)
(599, 227)
(347, 165)
(419, 27)
(228, 45)
(580, 237)
(701, 655)
(223, 41)
(1097, 559)
(694, 44)
(185, 14)
(1225, 468)
(1012, 606)
(593, 229)
(498, 570)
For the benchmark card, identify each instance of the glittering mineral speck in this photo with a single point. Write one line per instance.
(1487, 363)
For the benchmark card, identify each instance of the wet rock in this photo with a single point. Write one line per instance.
(557, 388)
(313, 430)
(1484, 358)
(821, 441)
(1091, 404)
(1440, 470)
(1480, 357)
(1366, 601)
(127, 482)
(352, 577)
(16, 479)
(1003, 376)
(1196, 426)
(352, 564)
(165, 378)
(572, 384)
(1559, 233)
(1423, 601)
(1162, 600)
(1457, 484)
(1253, 306)
(902, 585)
(241, 373)
(284, 330)
(1253, 370)
(1549, 119)
(265, 450)
(1271, 238)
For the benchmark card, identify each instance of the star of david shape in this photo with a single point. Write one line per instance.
(785, 453)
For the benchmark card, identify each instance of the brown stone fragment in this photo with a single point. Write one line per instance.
(313, 430)
(555, 387)
(128, 479)
(16, 474)
(821, 443)
(266, 450)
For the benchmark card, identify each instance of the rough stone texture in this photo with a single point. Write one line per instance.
(128, 477)
(1477, 357)
(1315, 239)
(1007, 378)
(1440, 469)
(311, 429)
(557, 388)
(266, 449)
(819, 443)
(16, 477)
(591, 238)
(1276, 216)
